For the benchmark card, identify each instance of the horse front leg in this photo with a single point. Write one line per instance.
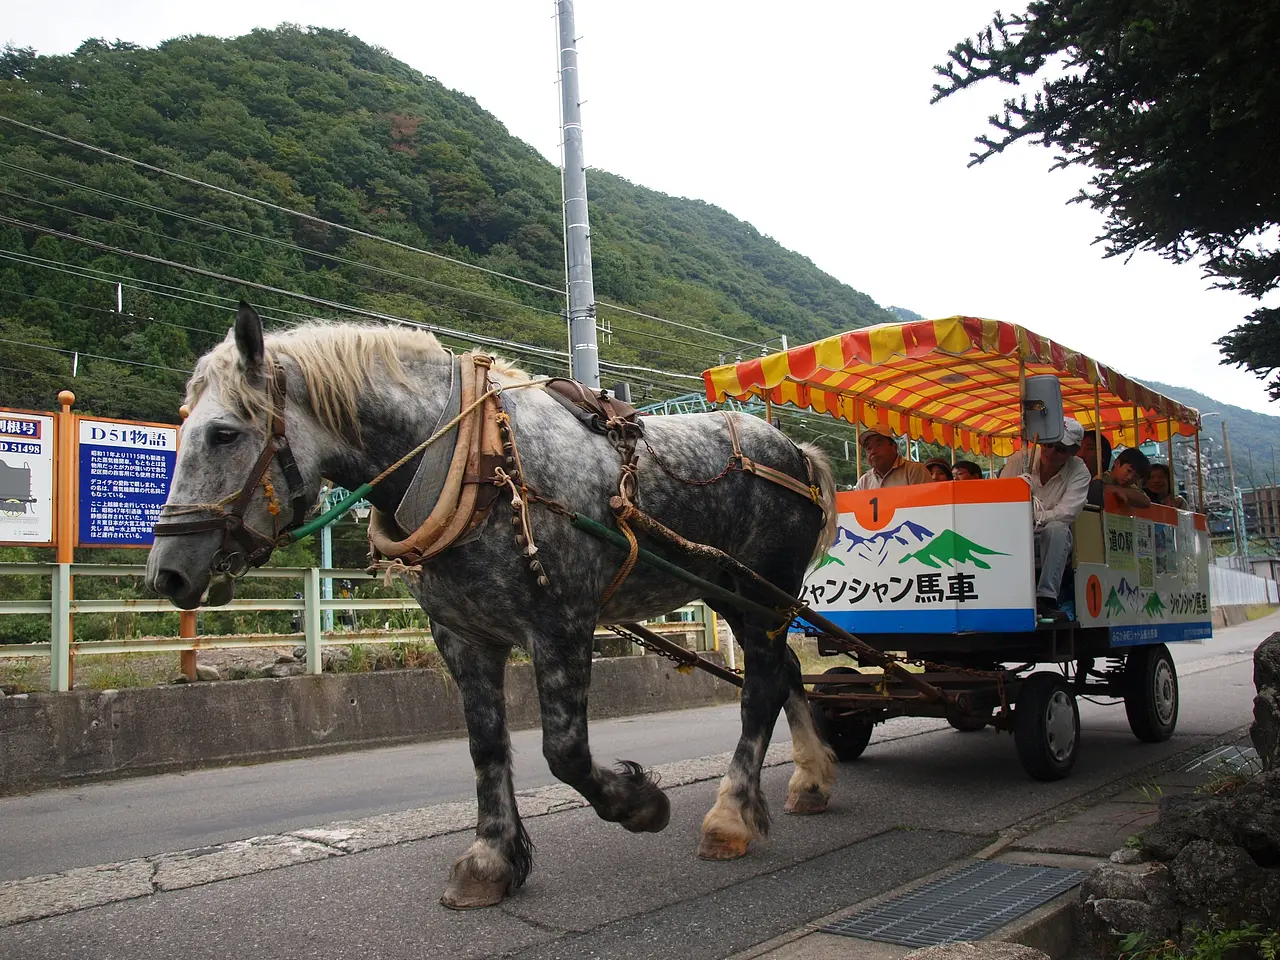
(629, 796)
(809, 789)
(500, 858)
(741, 813)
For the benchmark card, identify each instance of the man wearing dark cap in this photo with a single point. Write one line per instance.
(886, 468)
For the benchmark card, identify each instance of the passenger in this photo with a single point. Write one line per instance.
(887, 468)
(966, 470)
(1059, 486)
(1125, 479)
(939, 469)
(1160, 488)
(1089, 452)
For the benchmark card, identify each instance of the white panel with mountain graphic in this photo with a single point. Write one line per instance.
(1154, 587)
(935, 567)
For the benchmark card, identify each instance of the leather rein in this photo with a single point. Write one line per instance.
(244, 547)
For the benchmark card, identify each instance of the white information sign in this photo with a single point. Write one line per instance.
(26, 479)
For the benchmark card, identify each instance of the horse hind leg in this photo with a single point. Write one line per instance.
(628, 796)
(500, 858)
(809, 789)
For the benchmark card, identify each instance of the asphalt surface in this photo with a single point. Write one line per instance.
(913, 803)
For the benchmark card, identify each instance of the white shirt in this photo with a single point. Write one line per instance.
(1062, 497)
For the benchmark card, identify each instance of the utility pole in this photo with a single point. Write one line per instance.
(584, 354)
(1237, 513)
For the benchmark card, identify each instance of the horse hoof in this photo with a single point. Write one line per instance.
(465, 893)
(652, 818)
(719, 846)
(806, 804)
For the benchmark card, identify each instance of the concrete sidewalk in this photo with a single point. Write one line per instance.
(1078, 840)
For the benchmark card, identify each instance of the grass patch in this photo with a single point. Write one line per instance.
(1246, 940)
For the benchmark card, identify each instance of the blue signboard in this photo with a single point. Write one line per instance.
(125, 472)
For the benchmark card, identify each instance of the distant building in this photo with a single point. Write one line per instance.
(1262, 507)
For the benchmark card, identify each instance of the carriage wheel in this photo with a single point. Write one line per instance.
(848, 736)
(1046, 726)
(13, 508)
(1151, 693)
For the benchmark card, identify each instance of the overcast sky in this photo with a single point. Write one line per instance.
(810, 119)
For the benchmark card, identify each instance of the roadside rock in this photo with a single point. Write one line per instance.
(1127, 855)
(290, 669)
(1265, 729)
(206, 672)
(1223, 882)
(980, 950)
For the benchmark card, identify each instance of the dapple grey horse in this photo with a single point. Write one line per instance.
(359, 397)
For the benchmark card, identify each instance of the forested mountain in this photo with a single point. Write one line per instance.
(317, 121)
(1254, 436)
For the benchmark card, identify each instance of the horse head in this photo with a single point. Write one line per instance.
(241, 478)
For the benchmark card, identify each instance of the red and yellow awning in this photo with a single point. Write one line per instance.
(952, 381)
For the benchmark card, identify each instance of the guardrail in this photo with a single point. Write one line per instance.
(62, 605)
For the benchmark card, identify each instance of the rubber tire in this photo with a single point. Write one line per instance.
(846, 736)
(1031, 722)
(1144, 667)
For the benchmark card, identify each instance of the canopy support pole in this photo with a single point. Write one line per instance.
(1199, 476)
(1173, 475)
(1097, 431)
(1022, 410)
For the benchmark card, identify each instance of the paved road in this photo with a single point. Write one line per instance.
(55, 830)
(912, 803)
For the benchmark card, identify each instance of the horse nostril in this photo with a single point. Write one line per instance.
(171, 583)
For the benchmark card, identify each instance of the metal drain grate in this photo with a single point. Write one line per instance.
(967, 905)
(1230, 758)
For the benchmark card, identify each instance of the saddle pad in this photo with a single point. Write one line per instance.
(424, 491)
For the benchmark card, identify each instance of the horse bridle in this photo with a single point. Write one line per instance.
(242, 546)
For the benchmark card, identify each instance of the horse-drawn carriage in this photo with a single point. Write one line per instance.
(483, 480)
(942, 573)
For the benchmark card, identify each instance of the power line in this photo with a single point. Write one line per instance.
(307, 298)
(63, 383)
(674, 323)
(258, 237)
(85, 306)
(352, 230)
(92, 356)
(308, 251)
(274, 206)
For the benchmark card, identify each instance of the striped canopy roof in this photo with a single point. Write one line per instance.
(952, 381)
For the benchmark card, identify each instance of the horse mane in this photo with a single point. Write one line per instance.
(336, 361)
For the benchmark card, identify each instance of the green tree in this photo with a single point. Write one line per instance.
(1172, 106)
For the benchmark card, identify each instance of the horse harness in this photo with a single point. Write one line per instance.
(243, 546)
(485, 460)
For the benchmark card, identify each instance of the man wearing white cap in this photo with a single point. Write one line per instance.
(1059, 488)
(887, 468)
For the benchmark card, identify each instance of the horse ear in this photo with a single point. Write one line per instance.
(249, 336)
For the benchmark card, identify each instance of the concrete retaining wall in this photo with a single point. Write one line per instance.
(51, 739)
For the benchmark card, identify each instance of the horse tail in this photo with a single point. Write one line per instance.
(826, 480)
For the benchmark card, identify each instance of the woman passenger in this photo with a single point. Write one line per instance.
(939, 469)
(966, 470)
(1160, 488)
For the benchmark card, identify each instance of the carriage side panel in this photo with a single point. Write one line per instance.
(930, 558)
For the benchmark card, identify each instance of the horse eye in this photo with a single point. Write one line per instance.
(224, 435)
